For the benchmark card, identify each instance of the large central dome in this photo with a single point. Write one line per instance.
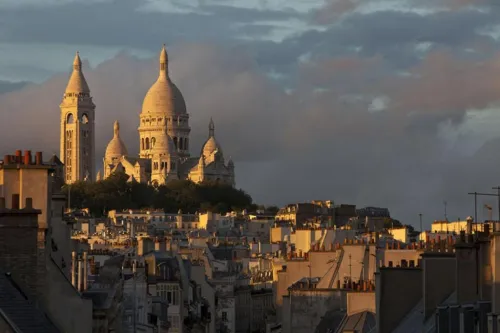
(163, 96)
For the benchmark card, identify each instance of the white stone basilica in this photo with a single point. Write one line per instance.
(163, 140)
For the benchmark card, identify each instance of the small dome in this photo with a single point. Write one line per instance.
(211, 144)
(164, 144)
(77, 83)
(210, 147)
(116, 148)
(164, 96)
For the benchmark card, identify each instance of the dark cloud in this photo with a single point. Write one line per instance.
(122, 23)
(333, 10)
(6, 86)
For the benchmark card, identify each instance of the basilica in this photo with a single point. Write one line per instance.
(164, 145)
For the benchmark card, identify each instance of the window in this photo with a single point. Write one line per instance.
(153, 142)
(85, 119)
(390, 264)
(147, 143)
(224, 316)
(169, 293)
(174, 323)
(70, 119)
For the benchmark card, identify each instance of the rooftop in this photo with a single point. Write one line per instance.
(20, 311)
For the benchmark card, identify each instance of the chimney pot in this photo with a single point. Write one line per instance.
(15, 201)
(38, 158)
(27, 157)
(18, 155)
(29, 203)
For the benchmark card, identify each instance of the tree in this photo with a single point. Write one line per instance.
(272, 210)
(116, 192)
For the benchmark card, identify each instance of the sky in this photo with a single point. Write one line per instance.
(389, 103)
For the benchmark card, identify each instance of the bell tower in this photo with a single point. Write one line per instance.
(77, 128)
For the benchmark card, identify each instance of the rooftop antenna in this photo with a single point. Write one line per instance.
(445, 215)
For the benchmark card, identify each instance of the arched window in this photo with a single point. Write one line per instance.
(147, 143)
(175, 142)
(70, 119)
(85, 119)
(181, 145)
(153, 142)
(142, 144)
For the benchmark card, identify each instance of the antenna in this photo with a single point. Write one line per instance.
(445, 215)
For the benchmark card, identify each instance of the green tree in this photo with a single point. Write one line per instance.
(116, 192)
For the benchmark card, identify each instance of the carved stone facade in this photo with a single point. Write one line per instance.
(164, 141)
(77, 147)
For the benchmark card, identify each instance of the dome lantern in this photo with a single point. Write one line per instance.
(164, 97)
(116, 148)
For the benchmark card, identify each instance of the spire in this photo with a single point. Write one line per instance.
(77, 63)
(211, 128)
(116, 129)
(163, 61)
(77, 83)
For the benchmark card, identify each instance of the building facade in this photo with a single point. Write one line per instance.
(164, 144)
(77, 147)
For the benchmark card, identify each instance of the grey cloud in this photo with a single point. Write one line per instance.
(120, 23)
(286, 147)
(6, 86)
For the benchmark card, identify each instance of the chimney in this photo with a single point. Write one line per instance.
(38, 158)
(6, 159)
(469, 225)
(28, 203)
(73, 269)
(85, 274)
(18, 156)
(80, 275)
(27, 157)
(15, 201)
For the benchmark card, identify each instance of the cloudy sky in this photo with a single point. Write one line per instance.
(391, 103)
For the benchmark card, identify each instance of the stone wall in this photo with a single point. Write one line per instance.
(392, 284)
(360, 301)
(307, 307)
